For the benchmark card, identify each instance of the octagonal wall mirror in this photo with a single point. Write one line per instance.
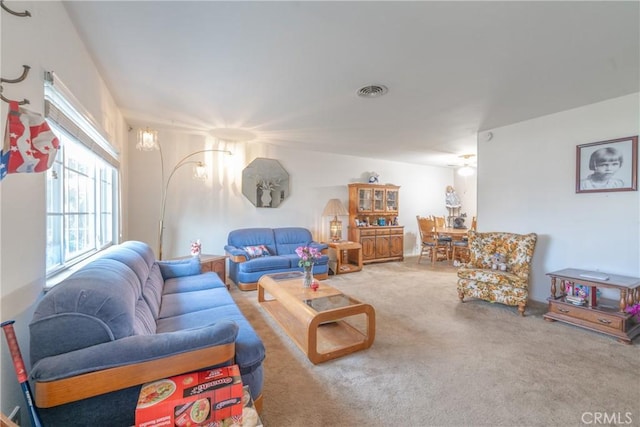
(265, 183)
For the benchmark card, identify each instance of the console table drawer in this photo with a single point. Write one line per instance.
(386, 231)
(599, 318)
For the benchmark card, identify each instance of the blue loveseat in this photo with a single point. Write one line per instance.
(254, 252)
(126, 319)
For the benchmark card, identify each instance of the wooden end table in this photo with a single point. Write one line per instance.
(348, 256)
(325, 324)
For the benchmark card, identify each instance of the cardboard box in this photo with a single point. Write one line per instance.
(199, 399)
(249, 417)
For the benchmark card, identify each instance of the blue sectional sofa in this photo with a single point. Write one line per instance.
(254, 252)
(126, 319)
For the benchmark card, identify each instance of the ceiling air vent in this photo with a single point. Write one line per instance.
(372, 91)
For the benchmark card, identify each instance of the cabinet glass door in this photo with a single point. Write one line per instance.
(365, 200)
(392, 200)
(378, 200)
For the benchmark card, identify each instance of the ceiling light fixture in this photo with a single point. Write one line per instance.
(372, 91)
(466, 170)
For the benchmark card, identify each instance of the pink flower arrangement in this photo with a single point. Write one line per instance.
(308, 255)
(196, 247)
(634, 311)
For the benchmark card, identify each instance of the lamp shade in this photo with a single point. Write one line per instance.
(334, 208)
(200, 171)
(147, 140)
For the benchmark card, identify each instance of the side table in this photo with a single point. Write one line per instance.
(348, 256)
(214, 263)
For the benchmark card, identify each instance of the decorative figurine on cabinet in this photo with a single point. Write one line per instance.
(373, 178)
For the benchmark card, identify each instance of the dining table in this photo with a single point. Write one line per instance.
(454, 233)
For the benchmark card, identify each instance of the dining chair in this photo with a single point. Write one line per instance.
(431, 245)
(460, 251)
(460, 248)
(441, 222)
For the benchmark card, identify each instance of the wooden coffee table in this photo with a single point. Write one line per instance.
(324, 324)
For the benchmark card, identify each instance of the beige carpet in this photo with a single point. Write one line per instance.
(438, 362)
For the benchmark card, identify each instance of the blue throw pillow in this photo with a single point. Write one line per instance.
(256, 251)
(179, 267)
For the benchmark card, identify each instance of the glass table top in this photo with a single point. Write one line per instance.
(286, 276)
(330, 302)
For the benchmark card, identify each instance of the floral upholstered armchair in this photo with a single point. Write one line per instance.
(482, 278)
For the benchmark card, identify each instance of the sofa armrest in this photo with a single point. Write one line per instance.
(179, 267)
(130, 361)
(321, 247)
(236, 254)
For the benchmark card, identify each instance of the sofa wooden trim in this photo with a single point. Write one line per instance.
(83, 386)
(236, 258)
(6, 422)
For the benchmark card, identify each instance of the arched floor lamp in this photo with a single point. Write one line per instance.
(147, 141)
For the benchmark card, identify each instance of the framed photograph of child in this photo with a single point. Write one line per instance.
(607, 166)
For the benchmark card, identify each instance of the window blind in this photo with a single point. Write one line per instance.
(61, 107)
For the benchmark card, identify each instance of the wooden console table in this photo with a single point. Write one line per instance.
(597, 314)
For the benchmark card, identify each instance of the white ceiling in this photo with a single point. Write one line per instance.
(289, 71)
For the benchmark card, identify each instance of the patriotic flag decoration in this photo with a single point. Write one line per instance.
(4, 159)
(29, 144)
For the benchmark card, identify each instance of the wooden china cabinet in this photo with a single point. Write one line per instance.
(373, 222)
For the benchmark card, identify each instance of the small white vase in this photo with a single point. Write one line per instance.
(266, 198)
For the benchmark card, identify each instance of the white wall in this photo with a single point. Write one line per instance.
(526, 183)
(467, 188)
(208, 211)
(47, 42)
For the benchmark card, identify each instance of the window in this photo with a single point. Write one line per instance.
(82, 186)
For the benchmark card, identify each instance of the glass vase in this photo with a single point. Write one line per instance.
(308, 276)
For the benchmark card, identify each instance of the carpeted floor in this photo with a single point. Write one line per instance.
(438, 362)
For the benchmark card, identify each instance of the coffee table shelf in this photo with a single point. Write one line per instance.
(338, 325)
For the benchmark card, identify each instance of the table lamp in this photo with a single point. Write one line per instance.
(334, 208)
